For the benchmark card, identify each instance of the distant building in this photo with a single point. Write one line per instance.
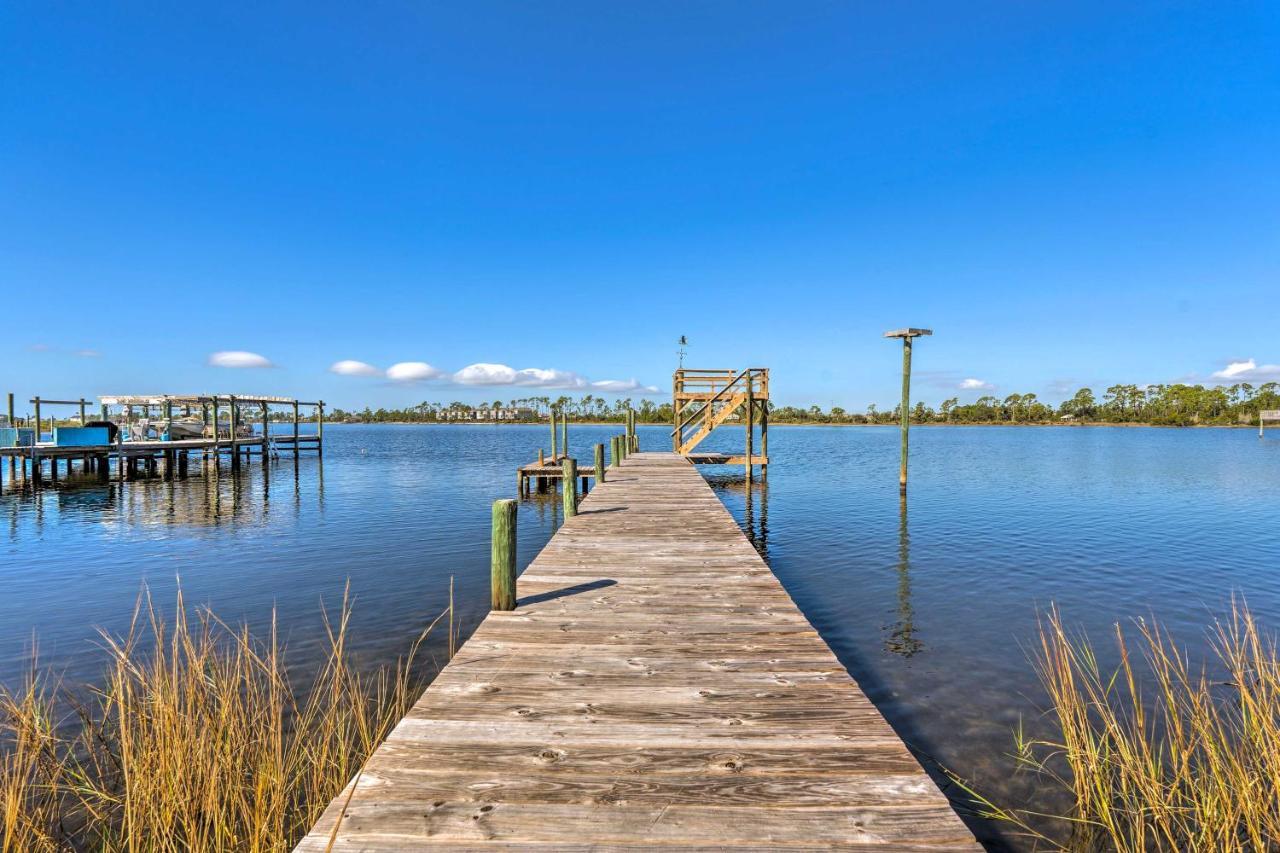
(489, 414)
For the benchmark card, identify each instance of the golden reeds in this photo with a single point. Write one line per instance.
(194, 740)
(1158, 753)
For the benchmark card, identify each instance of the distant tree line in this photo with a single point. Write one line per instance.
(588, 407)
(1164, 405)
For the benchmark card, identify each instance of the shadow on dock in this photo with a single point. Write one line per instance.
(576, 589)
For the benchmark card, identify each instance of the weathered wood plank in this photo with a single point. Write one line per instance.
(654, 687)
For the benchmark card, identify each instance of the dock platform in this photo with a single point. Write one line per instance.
(655, 687)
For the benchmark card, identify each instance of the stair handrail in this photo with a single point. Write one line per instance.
(731, 384)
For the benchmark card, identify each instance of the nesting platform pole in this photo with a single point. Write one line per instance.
(907, 336)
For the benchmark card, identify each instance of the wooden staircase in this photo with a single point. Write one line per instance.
(706, 399)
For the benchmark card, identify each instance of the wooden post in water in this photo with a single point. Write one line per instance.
(614, 452)
(167, 410)
(749, 408)
(564, 433)
(554, 454)
(320, 427)
(907, 335)
(569, 485)
(503, 556)
(599, 464)
(235, 444)
(216, 440)
(13, 463)
(295, 429)
(764, 438)
(39, 428)
(83, 418)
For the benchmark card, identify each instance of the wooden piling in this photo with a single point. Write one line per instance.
(235, 422)
(749, 408)
(83, 418)
(564, 433)
(295, 429)
(320, 428)
(554, 455)
(36, 402)
(599, 464)
(569, 485)
(503, 556)
(907, 335)
(13, 463)
(764, 439)
(906, 410)
(614, 452)
(216, 449)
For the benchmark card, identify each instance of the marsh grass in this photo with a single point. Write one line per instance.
(1158, 753)
(195, 738)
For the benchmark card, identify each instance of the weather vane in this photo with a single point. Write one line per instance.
(684, 342)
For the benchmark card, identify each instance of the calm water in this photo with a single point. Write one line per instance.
(930, 604)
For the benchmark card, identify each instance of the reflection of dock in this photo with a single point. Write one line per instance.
(654, 687)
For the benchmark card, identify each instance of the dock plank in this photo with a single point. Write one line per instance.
(655, 688)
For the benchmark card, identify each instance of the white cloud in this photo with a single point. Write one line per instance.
(534, 377)
(88, 353)
(238, 358)
(1248, 371)
(976, 385)
(412, 371)
(39, 347)
(484, 373)
(618, 386)
(348, 367)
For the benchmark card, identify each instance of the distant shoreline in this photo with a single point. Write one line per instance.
(894, 425)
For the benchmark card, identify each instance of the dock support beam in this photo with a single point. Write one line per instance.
(235, 423)
(599, 464)
(554, 455)
(569, 485)
(750, 407)
(764, 438)
(503, 556)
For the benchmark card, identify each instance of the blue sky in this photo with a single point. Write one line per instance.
(1067, 193)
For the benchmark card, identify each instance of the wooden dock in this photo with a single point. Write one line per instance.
(655, 687)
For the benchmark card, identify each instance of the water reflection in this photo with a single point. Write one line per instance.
(902, 639)
(754, 495)
(217, 497)
(757, 523)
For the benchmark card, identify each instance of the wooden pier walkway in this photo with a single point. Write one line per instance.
(654, 688)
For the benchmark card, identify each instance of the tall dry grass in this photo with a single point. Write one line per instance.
(1158, 752)
(195, 739)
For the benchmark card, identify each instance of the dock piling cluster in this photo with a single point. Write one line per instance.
(136, 452)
